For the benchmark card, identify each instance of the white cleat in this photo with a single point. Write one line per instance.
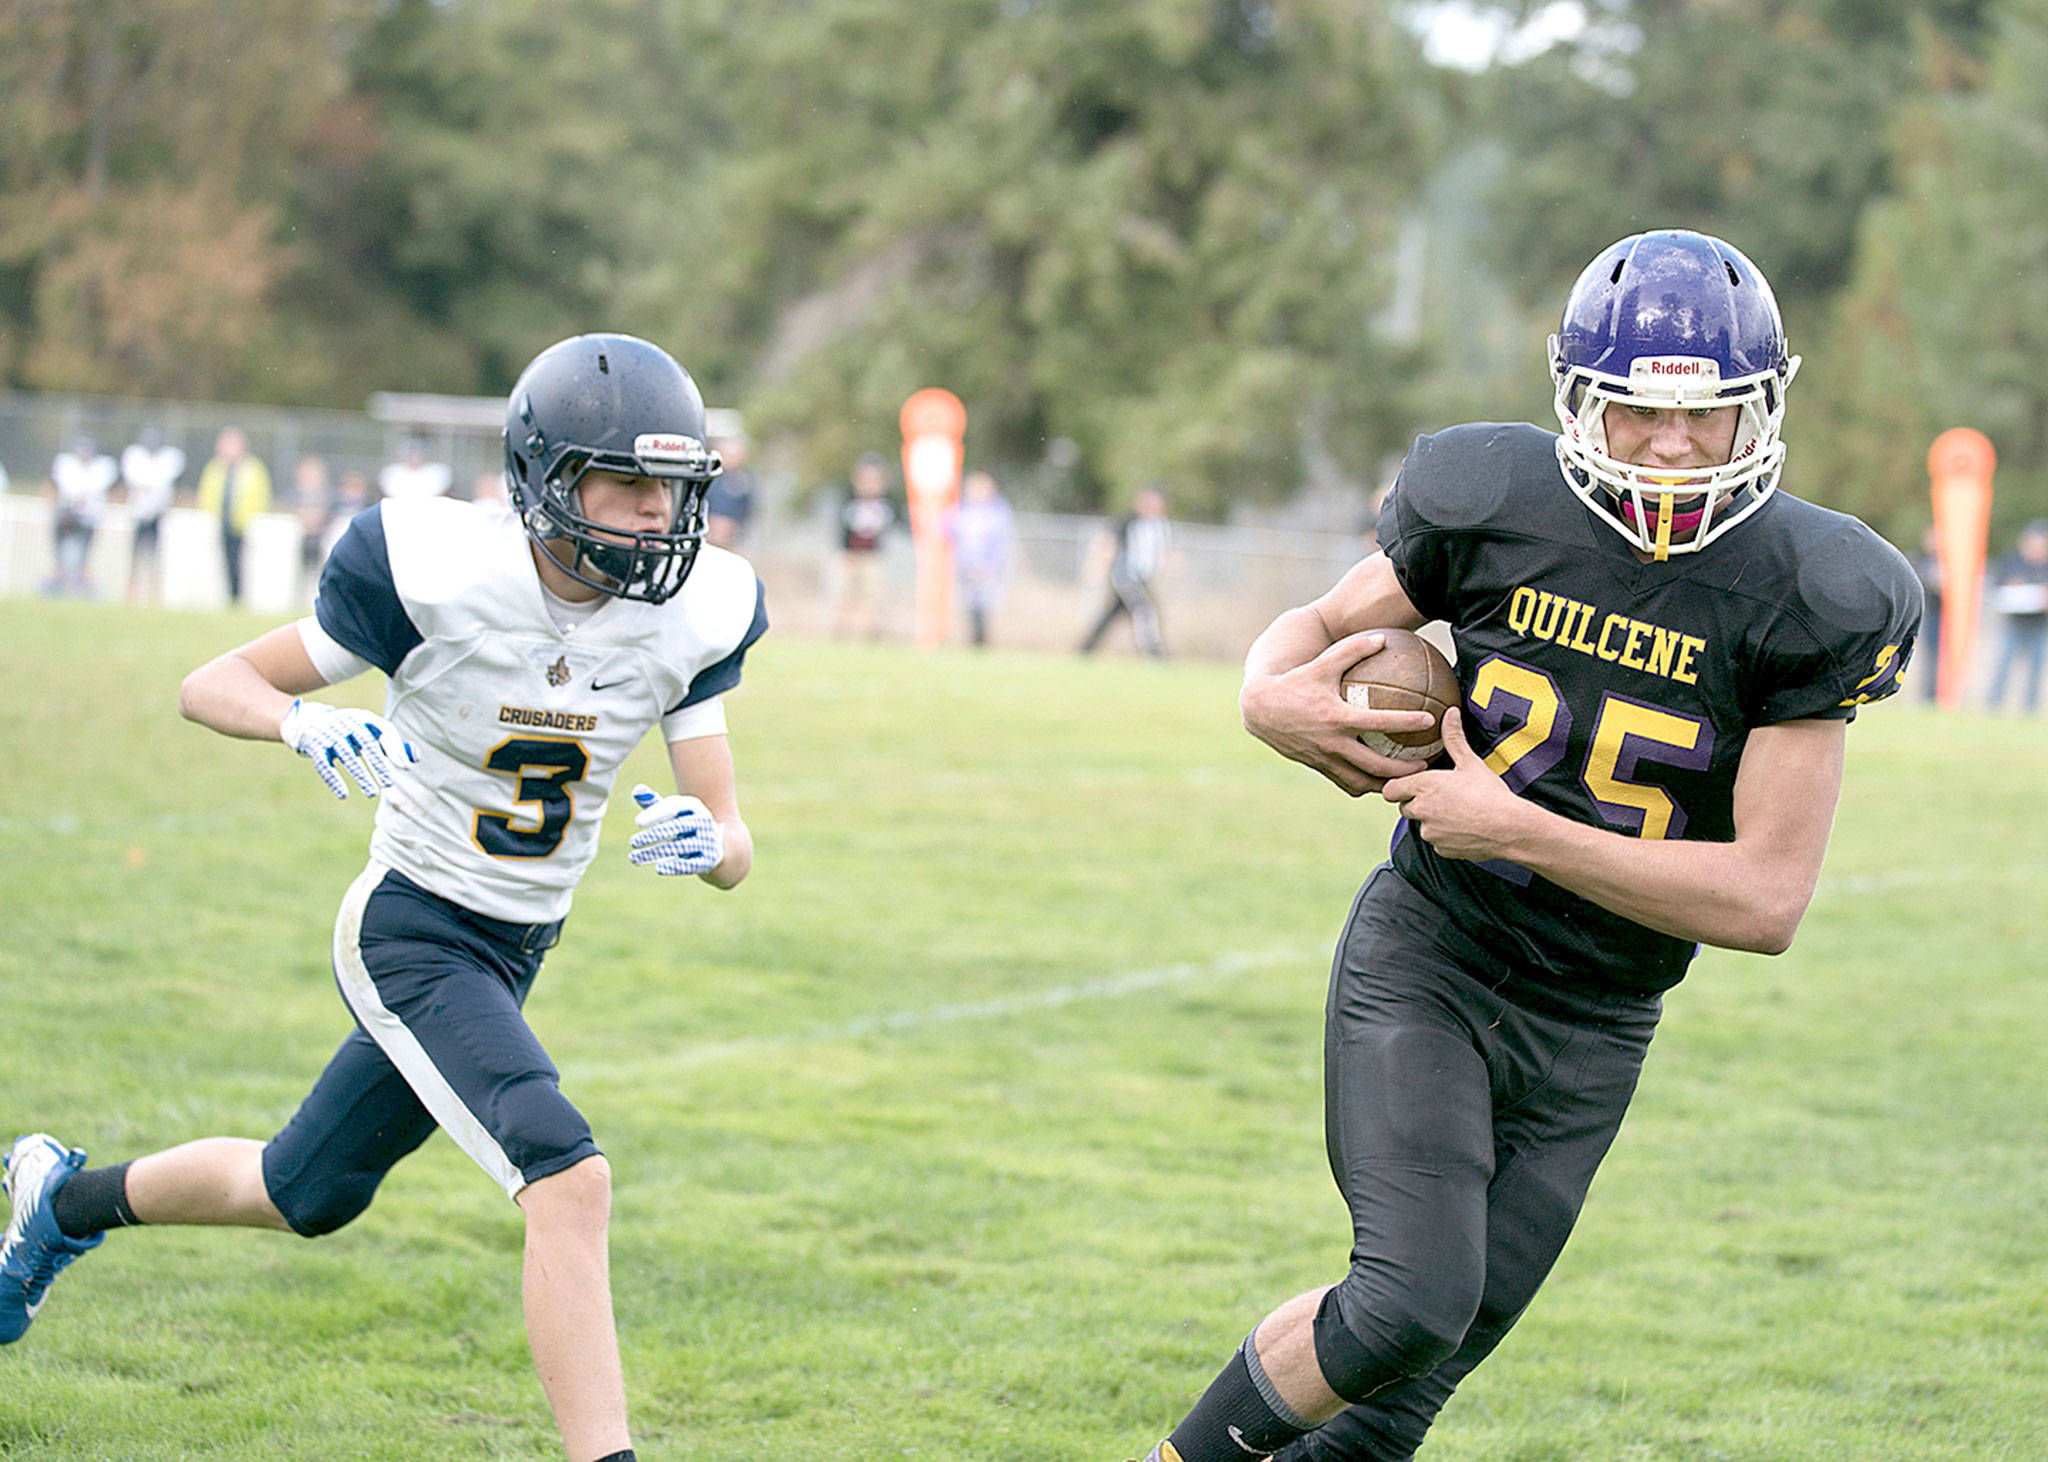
(35, 1251)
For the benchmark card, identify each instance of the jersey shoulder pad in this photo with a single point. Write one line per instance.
(1857, 596)
(720, 596)
(409, 571)
(1472, 475)
(1462, 495)
(357, 600)
(721, 612)
(1847, 576)
(440, 546)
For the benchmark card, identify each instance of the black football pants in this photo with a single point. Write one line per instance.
(1466, 1111)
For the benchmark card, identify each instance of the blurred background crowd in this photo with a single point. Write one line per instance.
(1233, 252)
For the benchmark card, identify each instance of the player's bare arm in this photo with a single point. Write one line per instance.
(255, 692)
(703, 769)
(1746, 894)
(247, 691)
(1291, 699)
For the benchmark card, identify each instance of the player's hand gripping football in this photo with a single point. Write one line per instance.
(339, 739)
(1466, 811)
(676, 834)
(1302, 714)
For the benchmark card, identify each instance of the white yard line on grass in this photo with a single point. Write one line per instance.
(926, 1017)
(1132, 982)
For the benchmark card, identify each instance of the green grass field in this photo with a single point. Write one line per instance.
(983, 1120)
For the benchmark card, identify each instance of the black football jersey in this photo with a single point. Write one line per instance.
(1616, 692)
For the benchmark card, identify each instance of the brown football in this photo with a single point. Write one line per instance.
(1409, 674)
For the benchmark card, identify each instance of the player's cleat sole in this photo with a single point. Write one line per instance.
(35, 1251)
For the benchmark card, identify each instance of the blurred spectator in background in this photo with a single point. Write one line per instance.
(864, 517)
(150, 469)
(233, 488)
(413, 476)
(314, 496)
(1927, 655)
(983, 531)
(80, 477)
(351, 495)
(730, 505)
(488, 489)
(2019, 592)
(1136, 549)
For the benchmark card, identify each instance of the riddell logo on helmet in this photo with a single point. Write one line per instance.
(661, 447)
(1691, 369)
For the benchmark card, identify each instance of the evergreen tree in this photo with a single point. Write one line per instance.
(1946, 321)
(1158, 230)
(1779, 125)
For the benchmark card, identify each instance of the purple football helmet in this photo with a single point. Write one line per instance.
(1671, 320)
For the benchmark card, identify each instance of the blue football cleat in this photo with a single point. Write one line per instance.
(35, 1250)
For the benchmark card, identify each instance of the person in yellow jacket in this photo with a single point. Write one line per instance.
(233, 487)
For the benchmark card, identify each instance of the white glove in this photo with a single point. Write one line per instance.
(355, 740)
(677, 834)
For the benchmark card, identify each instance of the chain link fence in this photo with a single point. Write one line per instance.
(34, 428)
(1222, 584)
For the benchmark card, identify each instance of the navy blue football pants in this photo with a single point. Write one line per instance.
(1466, 1111)
(439, 1041)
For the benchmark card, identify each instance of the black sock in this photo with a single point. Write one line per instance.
(92, 1202)
(1235, 1418)
(625, 1456)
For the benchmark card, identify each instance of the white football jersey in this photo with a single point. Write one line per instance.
(520, 727)
(151, 475)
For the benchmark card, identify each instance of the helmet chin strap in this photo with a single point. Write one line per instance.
(579, 568)
(602, 579)
(1640, 513)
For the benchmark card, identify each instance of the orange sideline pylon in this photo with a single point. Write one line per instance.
(1959, 468)
(934, 427)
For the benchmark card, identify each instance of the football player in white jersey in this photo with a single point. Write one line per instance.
(529, 647)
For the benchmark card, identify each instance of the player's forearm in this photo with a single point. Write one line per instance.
(1295, 638)
(1266, 704)
(231, 696)
(1713, 893)
(738, 859)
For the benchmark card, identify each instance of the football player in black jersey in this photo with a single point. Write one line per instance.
(1659, 654)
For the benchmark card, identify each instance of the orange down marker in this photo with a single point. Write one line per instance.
(934, 427)
(1959, 465)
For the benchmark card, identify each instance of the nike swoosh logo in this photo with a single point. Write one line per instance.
(1242, 1445)
(609, 683)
